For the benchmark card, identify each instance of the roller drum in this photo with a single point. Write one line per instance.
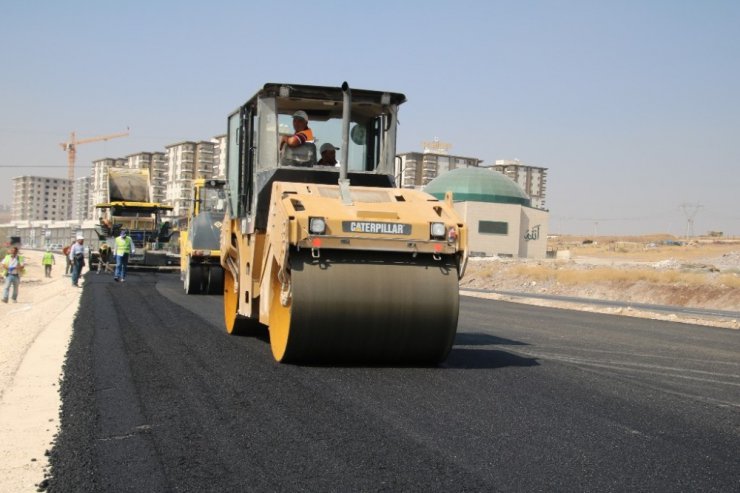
(367, 307)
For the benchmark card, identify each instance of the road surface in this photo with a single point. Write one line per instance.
(157, 397)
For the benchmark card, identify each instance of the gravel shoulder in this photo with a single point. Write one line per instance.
(694, 276)
(35, 333)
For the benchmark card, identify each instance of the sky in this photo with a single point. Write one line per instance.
(633, 106)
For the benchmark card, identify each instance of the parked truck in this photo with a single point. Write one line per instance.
(338, 263)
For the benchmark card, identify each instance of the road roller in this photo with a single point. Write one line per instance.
(339, 264)
(200, 266)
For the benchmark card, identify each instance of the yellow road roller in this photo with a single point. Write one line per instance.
(340, 264)
(200, 267)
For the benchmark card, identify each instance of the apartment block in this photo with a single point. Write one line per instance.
(416, 169)
(219, 156)
(186, 161)
(38, 198)
(99, 184)
(158, 176)
(532, 179)
(156, 164)
(82, 199)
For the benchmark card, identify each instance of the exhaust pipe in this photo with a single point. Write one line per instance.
(344, 165)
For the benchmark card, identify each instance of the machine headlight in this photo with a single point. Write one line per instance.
(316, 225)
(437, 230)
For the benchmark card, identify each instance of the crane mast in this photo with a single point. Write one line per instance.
(71, 148)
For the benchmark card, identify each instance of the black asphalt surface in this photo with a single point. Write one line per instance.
(157, 397)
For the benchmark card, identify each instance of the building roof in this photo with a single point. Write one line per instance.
(478, 185)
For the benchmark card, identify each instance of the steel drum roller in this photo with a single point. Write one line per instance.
(366, 307)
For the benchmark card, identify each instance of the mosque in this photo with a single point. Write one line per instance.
(498, 213)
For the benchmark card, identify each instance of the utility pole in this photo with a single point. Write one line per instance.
(690, 211)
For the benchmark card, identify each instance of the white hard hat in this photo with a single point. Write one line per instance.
(301, 114)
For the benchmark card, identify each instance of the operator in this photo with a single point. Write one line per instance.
(328, 155)
(302, 133)
(124, 248)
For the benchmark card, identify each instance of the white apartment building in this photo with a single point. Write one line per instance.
(81, 199)
(99, 184)
(219, 156)
(532, 179)
(186, 161)
(156, 164)
(38, 198)
(417, 169)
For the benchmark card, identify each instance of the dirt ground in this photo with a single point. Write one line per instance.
(699, 274)
(35, 333)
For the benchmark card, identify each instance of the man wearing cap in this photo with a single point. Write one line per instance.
(302, 133)
(77, 256)
(124, 247)
(328, 155)
(12, 266)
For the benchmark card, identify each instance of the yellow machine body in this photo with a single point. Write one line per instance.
(340, 272)
(200, 268)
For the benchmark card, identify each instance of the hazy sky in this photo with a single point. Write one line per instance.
(633, 106)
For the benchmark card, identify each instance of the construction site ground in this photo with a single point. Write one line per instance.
(657, 270)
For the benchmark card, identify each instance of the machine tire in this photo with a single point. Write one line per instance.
(193, 283)
(215, 280)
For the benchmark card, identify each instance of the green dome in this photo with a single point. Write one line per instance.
(478, 185)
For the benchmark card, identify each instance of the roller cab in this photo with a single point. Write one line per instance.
(338, 263)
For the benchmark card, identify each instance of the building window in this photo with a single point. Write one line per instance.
(493, 228)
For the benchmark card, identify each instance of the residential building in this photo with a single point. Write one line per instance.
(81, 199)
(41, 198)
(186, 161)
(219, 156)
(532, 179)
(417, 169)
(156, 164)
(99, 184)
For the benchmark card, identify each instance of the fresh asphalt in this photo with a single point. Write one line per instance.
(157, 397)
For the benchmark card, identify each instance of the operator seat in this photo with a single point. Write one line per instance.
(302, 155)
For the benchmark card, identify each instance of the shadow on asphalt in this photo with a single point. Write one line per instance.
(468, 339)
(464, 358)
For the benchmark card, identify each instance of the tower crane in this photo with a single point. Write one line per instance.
(71, 148)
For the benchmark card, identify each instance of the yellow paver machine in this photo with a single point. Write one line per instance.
(338, 263)
(130, 208)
